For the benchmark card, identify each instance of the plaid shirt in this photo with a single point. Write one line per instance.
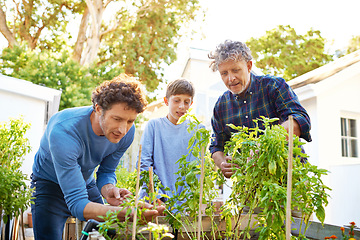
(267, 96)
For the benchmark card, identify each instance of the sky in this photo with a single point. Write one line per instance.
(338, 22)
(241, 20)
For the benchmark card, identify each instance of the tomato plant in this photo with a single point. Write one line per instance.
(260, 180)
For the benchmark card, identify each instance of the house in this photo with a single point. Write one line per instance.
(36, 104)
(330, 94)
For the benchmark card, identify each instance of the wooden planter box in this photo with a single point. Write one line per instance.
(315, 230)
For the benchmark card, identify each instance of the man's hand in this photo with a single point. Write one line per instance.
(113, 195)
(297, 130)
(224, 163)
(227, 168)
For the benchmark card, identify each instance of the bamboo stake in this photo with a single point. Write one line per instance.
(136, 196)
(201, 191)
(22, 224)
(152, 190)
(289, 178)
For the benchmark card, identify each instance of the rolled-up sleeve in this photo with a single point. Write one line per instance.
(287, 103)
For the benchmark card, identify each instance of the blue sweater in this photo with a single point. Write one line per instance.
(163, 144)
(70, 151)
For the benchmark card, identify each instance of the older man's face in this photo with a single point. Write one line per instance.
(236, 75)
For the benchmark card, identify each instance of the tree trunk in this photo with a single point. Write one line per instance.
(79, 45)
(6, 31)
(96, 10)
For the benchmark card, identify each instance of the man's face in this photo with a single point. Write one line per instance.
(178, 106)
(116, 121)
(236, 75)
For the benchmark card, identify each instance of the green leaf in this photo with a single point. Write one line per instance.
(272, 167)
(190, 178)
(320, 213)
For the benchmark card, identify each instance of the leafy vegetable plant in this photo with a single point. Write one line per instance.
(260, 181)
(184, 208)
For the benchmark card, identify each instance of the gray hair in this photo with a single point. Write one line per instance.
(229, 50)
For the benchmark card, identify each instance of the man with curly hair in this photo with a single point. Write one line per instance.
(249, 97)
(78, 141)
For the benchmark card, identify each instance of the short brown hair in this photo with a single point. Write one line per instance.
(180, 86)
(121, 89)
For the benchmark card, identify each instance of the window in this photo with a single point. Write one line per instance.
(349, 140)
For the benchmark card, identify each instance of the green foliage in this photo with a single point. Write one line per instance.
(143, 45)
(126, 179)
(185, 206)
(56, 70)
(123, 228)
(259, 184)
(159, 231)
(14, 194)
(260, 181)
(41, 24)
(354, 44)
(284, 53)
(139, 38)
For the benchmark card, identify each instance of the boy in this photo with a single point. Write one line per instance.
(164, 141)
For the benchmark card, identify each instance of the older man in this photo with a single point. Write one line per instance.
(249, 97)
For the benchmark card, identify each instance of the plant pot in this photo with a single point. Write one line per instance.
(29, 215)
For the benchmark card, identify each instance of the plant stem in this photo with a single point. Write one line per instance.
(201, 190)
(136, 196)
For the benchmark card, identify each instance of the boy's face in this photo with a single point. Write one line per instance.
(178, 106)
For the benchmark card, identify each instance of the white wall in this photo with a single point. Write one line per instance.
(343, 97)
(335, 96)
(32, 110)
(208, 88)
(34, 103)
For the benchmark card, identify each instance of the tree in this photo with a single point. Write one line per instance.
(284, 53)
(58, 71)
(354, 44)
(14, 194)
(136, 36)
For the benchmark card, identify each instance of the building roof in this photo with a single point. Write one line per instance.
(27, 88)
(325, 71)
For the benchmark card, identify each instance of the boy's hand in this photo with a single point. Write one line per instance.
(148, 213)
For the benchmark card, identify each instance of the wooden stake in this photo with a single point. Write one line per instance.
(152, 190)
(136, 196)
(201, 191)
(289, 178)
